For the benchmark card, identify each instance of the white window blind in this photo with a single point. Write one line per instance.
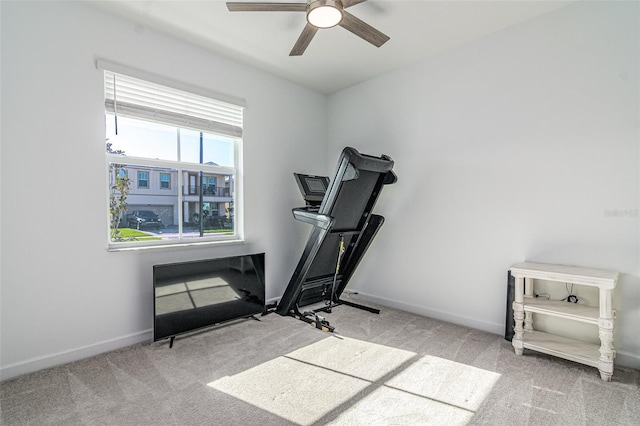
(131, 97)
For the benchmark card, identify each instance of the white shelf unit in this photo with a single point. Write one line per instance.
(525, 305)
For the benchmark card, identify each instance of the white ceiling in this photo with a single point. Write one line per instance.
(335, 59)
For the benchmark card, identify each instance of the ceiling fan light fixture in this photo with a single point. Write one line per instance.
(324, 13)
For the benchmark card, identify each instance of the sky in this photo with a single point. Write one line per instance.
(145, 139)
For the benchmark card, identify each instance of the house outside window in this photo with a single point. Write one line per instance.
(165, 181)
(194, 159)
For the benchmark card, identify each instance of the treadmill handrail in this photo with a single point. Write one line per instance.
(311, 216)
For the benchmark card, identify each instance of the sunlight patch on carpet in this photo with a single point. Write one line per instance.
(364, 360)
(446, 381)
(293, 390)
(346, 375)
(387, 406)
(431, 391)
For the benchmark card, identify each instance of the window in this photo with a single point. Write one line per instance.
(184, 149)
(165, 181)
(211, 185)
(143, 179)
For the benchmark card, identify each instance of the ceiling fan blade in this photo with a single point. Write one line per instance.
(349, 3)
(266, 7)
(303, 41)
(363, 30)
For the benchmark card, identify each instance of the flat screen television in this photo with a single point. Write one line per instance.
(193, 295)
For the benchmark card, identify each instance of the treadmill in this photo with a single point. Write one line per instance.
(343, 228)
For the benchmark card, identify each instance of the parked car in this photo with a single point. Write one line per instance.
(143, 219)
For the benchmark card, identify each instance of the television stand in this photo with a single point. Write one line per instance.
(253, 317)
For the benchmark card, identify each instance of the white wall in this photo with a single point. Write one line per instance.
(507, 149)
(63, 296)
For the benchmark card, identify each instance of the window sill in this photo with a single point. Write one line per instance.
(113, 248)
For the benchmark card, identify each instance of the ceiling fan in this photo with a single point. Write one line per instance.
(320, 14)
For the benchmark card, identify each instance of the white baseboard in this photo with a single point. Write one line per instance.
(626, 359)
(275, 300)
(432, 313)
(52, 360)
(623, 358)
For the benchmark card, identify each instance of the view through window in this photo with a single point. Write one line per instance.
(167, 183)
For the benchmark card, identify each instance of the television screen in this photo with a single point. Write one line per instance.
(196, 294)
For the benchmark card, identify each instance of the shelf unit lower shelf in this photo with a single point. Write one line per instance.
(562, 347)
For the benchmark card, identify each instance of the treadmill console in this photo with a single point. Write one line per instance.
(312, 188)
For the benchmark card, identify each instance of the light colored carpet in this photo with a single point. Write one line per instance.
(394, 368)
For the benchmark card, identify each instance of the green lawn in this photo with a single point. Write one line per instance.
(135, 235)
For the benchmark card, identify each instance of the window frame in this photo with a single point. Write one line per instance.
(182, 167)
